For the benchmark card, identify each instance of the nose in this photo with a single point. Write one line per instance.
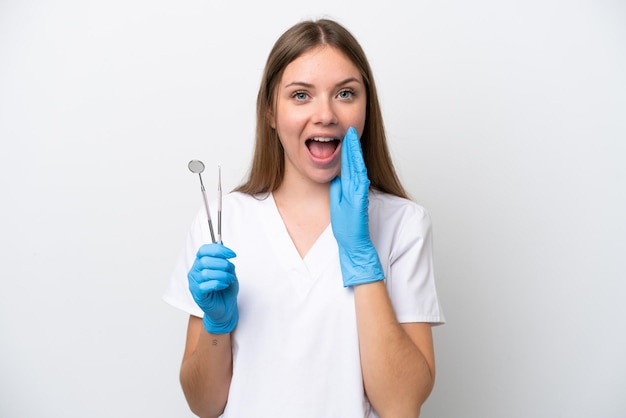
(325, 113)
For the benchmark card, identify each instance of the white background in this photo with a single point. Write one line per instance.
(507, 121)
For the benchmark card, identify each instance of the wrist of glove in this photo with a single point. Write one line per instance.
(214, 287)
(223, 325)
(349, 204)
(361, 266)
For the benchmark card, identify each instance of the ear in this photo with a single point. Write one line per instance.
(271, 119)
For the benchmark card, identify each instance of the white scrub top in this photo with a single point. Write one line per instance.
(295, 347)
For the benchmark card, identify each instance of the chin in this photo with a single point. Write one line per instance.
(324, 177)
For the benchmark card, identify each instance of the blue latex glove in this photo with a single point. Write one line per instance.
(349, 218)
(214, 287)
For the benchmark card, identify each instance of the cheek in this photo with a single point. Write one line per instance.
(289, 123)
(355, 117)
(281, 116)
(359, 124)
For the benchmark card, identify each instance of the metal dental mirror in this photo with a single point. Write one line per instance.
(197, 167)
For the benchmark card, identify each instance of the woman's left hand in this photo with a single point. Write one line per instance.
(349, 216)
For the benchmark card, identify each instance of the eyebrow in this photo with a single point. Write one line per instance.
(308, 85)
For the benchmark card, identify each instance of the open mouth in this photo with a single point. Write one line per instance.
(322, 148)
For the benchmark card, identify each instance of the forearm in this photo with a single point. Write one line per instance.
(396, 374)
(206, 373)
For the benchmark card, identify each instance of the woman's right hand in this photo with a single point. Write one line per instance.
(214, 286)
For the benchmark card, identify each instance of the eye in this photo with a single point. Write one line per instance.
(300, 96)
(346, 94)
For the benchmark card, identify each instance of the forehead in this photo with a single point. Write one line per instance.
(323, 62)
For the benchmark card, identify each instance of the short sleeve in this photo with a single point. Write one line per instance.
(402, 234)
(412, 277)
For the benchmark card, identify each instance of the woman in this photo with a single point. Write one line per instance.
(329, 310)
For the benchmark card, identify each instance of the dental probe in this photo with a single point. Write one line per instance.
(219, 203)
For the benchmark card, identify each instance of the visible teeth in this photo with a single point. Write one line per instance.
(320, 139)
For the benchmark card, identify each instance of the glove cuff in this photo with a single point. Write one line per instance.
(224, 326)
(360, 268)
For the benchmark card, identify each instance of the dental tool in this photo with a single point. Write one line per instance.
(197, 167)
(219, 203)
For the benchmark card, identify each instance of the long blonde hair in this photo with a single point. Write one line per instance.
(268, 162)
